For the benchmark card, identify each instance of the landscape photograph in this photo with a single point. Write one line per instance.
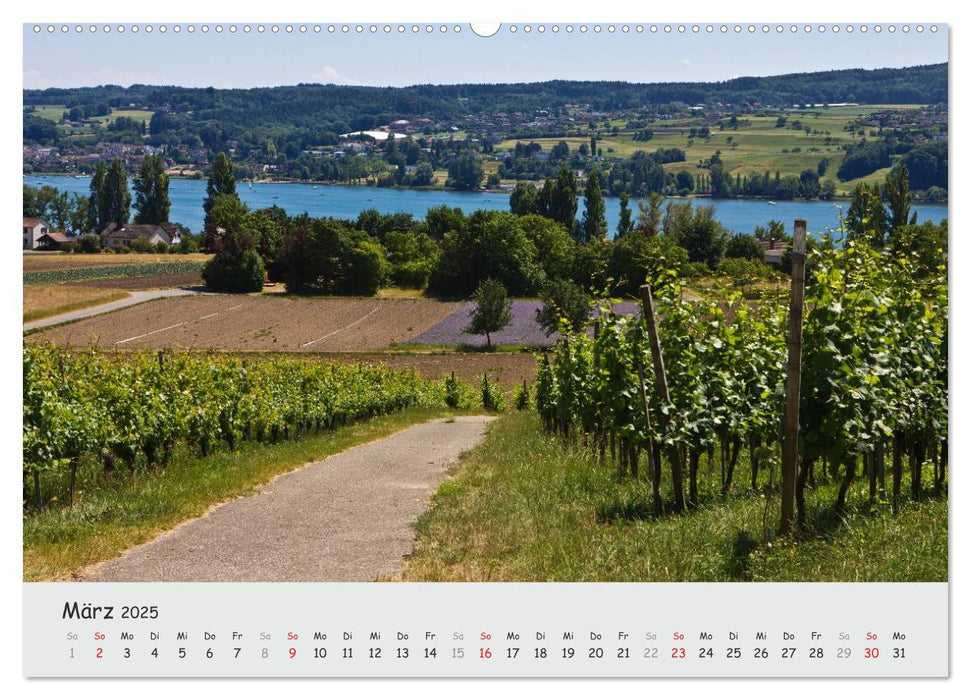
(311, 303)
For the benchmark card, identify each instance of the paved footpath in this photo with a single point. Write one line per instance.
(349, 517)
(136, 297)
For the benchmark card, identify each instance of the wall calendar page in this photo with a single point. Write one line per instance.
(476, 351)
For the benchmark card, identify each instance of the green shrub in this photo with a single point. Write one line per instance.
(235, 273)
(187, 245)
(696, 270)
(367, 269)
(743, 272)
(492, 244)
(412, 274)
(413, 255)
(563, 299)
(89, 244)
(141, 245)
(326, 256)
(744, 245)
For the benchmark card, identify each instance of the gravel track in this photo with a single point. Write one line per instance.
(349, 517)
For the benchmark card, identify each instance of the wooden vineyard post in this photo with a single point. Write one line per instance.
(790, 443)
(661, 381)
(651, 453)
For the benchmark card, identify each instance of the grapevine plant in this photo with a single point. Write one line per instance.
(874, 381)
(129, 411)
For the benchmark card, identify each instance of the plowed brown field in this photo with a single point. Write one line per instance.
(256, 323)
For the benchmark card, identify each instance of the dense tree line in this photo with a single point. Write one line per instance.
(452, 253)
(927, 165)
(62, 211)
(881, 215)
(806, 185)
(863, 159)
(39, 130)
(539, 241)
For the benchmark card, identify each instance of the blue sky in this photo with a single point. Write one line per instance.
(246, 60)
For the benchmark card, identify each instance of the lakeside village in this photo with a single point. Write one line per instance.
(810, 151)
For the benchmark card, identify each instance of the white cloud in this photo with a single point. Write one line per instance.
(33, 79)
(329, 74)
(686, 61)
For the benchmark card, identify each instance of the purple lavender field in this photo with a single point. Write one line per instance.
(522, 330)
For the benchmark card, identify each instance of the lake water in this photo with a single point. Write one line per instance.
(346, 202)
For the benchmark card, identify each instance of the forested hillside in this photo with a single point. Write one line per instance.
(337, 107)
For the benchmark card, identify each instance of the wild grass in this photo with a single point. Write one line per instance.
(525, 506)
(112, 514)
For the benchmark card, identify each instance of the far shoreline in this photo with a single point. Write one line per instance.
(442, 188)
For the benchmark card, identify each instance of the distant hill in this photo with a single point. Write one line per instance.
(340, 108)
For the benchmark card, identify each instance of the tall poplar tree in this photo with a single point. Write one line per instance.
(649, 214)
(96, 213)
(563, 199)
(896, 190)
(152, 192)
(222, 181)
(626, 223)
(594, 226)
(115, 199)
(524, 200)
(866, 217)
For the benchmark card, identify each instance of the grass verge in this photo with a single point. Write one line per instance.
(113, 514)
(45, 300)
(525, 506)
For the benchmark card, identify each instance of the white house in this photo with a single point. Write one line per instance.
(115, 236)
(374, 134)
(34, 228)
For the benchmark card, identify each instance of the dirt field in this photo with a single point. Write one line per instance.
(508, 368)
(57, 261)
(256, 323)
(42, 300)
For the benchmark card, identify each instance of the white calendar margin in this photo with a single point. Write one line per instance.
(508, 11)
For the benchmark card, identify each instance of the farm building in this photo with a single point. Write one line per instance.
(34, 228)
(115, 236)
(774, 251)
(51, 240)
